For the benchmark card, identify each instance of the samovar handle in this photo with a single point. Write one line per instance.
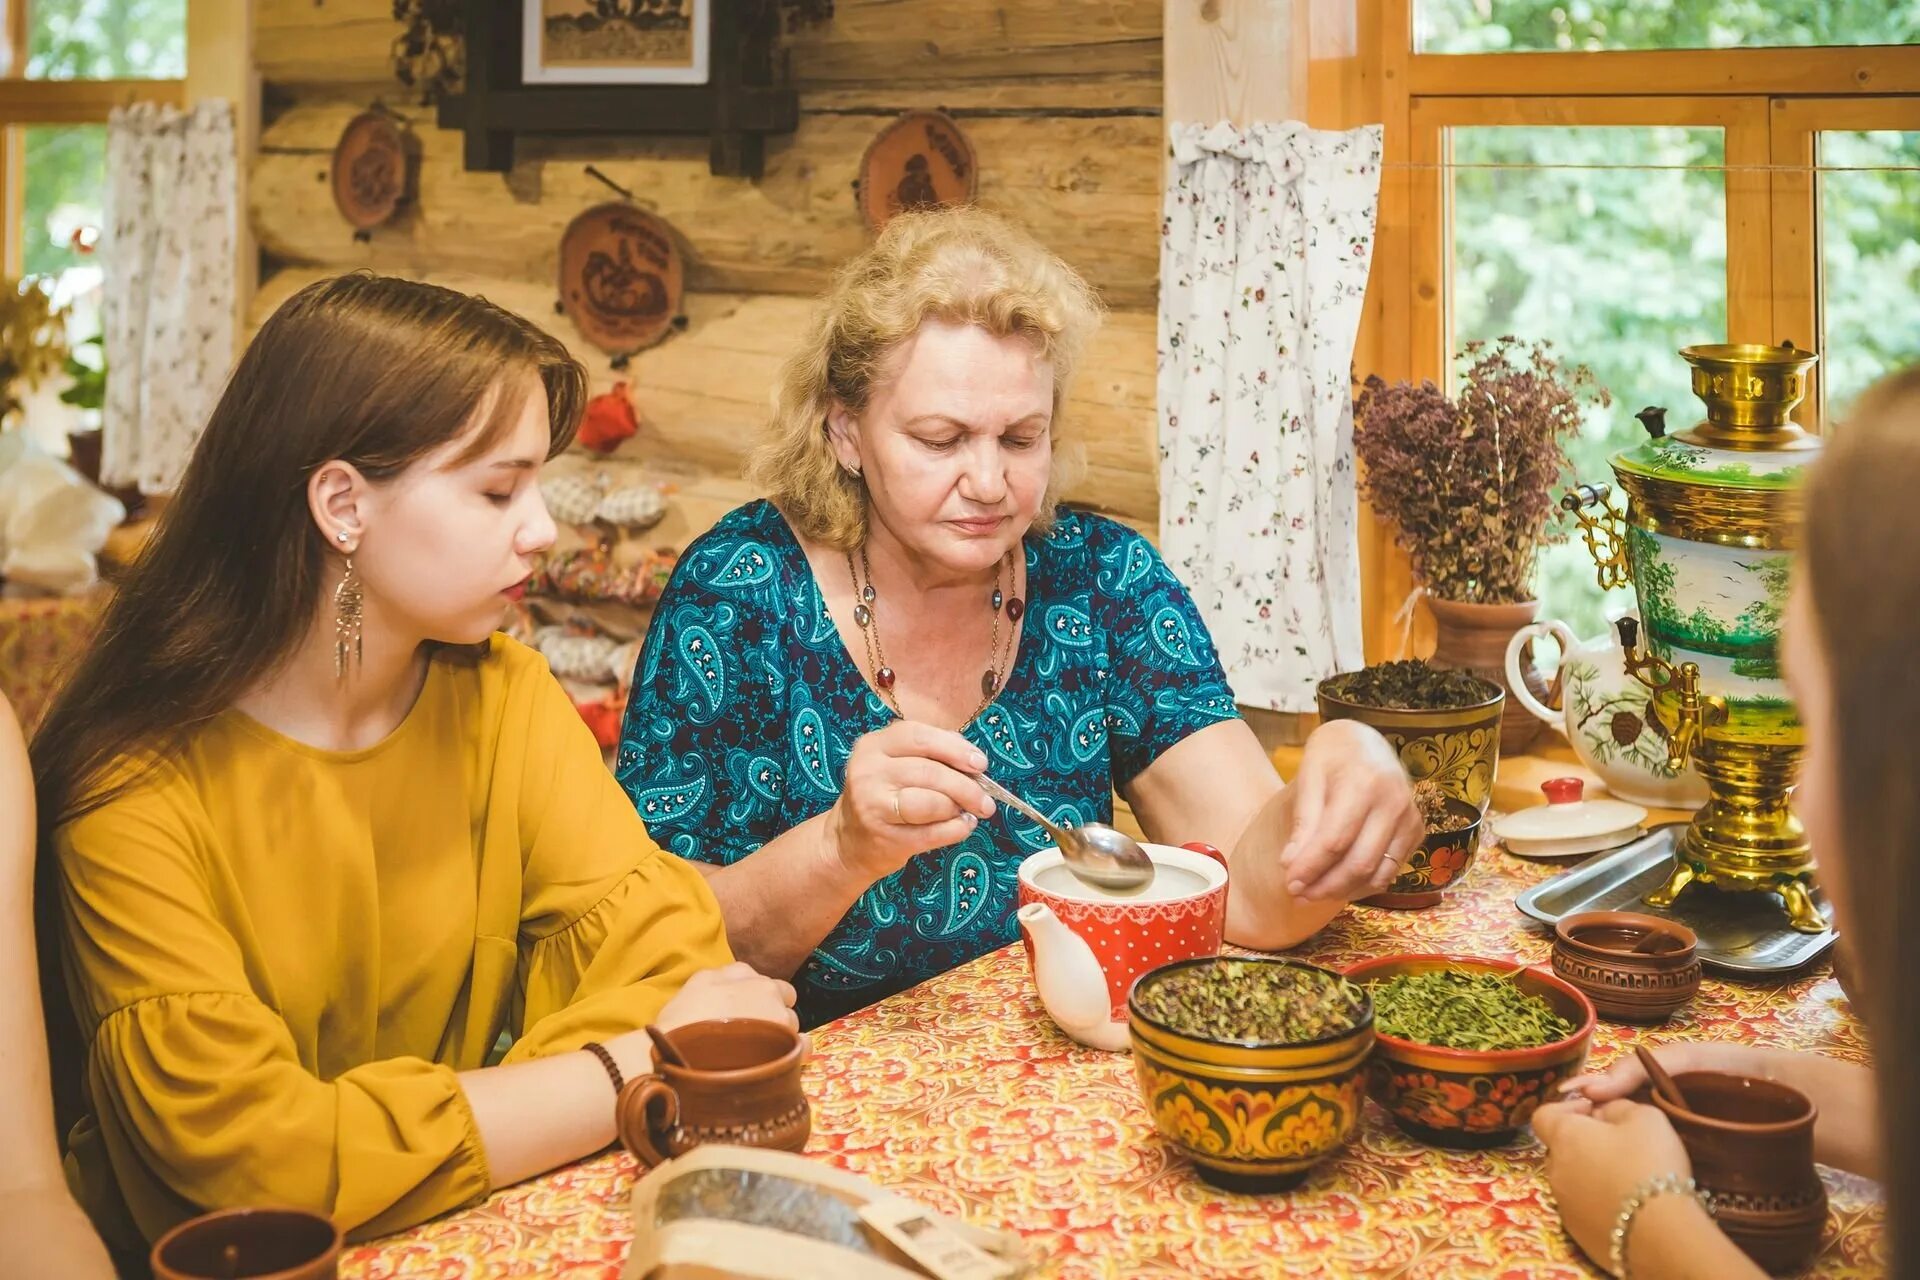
(1693, 711)
(1605, 534)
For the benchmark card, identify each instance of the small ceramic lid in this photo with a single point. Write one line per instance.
(1566, 816)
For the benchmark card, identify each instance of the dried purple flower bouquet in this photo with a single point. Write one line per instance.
(1468, 481)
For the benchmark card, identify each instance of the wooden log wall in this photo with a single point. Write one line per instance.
(1060, 97)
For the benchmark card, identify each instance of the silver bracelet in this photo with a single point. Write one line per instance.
(1666, 1184)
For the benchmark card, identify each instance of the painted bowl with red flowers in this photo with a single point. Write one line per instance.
(1437, 865)
(1472, 1097)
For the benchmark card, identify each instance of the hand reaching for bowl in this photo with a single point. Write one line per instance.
(1355, 822)
(906, 791)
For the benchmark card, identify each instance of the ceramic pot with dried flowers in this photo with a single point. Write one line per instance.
(1467, 481)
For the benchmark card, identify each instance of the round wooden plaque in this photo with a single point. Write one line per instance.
(920, 161)
(372, 170)
(620, 277)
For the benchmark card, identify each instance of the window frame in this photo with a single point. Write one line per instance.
(1772, 102)
(26, 102)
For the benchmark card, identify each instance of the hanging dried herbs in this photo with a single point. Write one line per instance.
(1250, 1000)
(430, 54)
(1467, 481)
(1410, 685)
(1457, 1009)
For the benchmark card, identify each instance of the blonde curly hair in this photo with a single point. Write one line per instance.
(964, 266)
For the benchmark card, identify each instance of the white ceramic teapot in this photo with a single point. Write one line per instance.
(1608, 720)
(1087, 946)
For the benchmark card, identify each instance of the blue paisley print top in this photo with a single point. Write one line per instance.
(746, 704)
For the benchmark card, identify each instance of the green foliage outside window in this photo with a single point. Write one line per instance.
(1500, 26)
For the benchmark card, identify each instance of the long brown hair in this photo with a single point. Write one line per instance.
(1862, 532)
(372, 370)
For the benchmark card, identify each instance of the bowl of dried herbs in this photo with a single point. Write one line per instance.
(1453, 838)
(1467, 1048)
(1254, 1067)
(1445, 724)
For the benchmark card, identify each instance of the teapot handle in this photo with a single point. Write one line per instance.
(1207, 850)
(633, 1117)
(1516, 681)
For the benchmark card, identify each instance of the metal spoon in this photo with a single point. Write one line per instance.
(1100, 855)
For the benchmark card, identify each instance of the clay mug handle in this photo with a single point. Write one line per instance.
(633, 1117)
(1516, 680)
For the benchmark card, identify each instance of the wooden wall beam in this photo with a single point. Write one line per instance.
(1091, 192)
(705, 394)
(220, 65)
(1238, 60)
(1052, 53)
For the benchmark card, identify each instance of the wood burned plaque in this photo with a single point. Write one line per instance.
(372, 170)
(920, 161)
(620, 277)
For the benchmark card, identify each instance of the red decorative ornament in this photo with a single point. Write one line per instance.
(609, 420)
(884, 676)
(1016, 607)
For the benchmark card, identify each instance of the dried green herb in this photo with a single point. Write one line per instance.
(1410, 685)
(1458, 1009)
(1252, 1000)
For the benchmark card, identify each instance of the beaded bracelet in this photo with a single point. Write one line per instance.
(599, 1051)
(1652, 1189)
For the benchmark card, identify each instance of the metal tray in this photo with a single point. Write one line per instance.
(1743, 933)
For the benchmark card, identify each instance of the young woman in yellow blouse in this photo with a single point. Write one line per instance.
(316, 841)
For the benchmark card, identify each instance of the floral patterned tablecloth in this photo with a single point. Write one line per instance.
(40, 638)
(961, 1093)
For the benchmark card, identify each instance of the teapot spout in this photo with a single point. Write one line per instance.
(1073, 987)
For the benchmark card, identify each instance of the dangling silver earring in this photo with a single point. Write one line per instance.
(348, 598)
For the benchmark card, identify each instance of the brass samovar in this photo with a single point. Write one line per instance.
(1712, 519)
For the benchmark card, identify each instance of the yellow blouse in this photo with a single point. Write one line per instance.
(281, 955)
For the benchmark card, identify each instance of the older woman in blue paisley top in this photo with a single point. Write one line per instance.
(911, 606)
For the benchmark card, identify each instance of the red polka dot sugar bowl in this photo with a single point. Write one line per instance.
(1086, 945)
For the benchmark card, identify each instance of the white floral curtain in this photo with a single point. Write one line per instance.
(1265, 242)
(167, 306)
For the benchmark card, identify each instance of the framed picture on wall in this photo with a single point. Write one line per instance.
(615, 41)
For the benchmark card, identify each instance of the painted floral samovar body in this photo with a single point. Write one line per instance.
(1712, 519)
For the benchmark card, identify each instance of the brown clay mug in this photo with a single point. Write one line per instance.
(1751, 1143)
(249, 1244)
(741, 1086)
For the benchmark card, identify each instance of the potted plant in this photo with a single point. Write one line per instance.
(1444, 724)
(1467, 482)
